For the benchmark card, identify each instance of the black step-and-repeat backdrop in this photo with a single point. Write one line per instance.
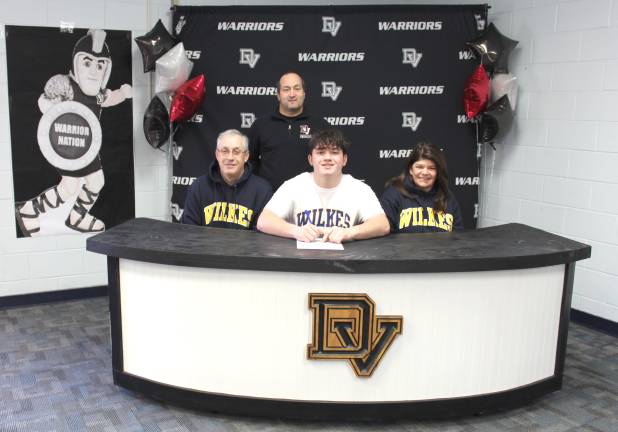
(388, 76)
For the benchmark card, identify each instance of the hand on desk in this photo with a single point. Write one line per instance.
(307, 233)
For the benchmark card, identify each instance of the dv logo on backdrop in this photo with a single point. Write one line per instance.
(480, 22)
(331, 90)
(176, 150)
(180, 24)
(246, 120)
(330, 25)
(411, 57)
(177, 211)
(410, 120)
(248, 57)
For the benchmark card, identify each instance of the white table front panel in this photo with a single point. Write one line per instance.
(245, 333)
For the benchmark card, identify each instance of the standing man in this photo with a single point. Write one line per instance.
(229, 196)
(325, 204)
(279, 141)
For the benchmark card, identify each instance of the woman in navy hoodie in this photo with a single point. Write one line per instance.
(419, 200)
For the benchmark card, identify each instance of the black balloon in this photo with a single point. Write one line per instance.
(156, 123)
(154, 44)
(493, 48)
(496, 120)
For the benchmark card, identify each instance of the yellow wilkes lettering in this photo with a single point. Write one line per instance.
(247, 91)
(228, 212)
(331, 57)
(411, 90)
(409, 25)
(250, 26)
(425, 216)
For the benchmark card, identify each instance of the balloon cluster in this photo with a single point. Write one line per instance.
(176, 98)
(490, 93)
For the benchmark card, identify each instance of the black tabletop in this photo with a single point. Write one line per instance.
(510, 246)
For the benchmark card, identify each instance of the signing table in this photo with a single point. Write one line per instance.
(409, 325)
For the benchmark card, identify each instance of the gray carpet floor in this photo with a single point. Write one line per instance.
(55, 375)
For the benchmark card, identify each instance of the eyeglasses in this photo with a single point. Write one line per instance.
(235, 151)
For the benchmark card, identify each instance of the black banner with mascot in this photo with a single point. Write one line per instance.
(71, 129)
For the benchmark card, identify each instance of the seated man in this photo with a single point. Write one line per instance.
(229, 196)
(325, 204)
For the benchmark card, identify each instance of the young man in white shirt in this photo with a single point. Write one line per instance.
(325, 204)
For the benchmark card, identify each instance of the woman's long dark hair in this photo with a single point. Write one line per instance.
(425, 150)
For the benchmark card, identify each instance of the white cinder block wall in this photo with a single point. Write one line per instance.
(556, 170)
(29, 265)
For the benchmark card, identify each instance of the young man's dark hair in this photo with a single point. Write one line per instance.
(331, 138)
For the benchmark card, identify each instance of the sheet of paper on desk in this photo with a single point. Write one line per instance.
(319, 245)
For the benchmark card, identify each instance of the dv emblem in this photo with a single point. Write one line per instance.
(345, 326)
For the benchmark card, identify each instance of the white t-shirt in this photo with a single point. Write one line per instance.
(300, 201)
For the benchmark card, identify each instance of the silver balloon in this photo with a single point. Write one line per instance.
(172, 69)
(504, 84)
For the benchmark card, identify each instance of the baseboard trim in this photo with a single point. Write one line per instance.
(594, 322)
(32, 299)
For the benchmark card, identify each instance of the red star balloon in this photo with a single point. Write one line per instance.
(188, 99)
(476, 92)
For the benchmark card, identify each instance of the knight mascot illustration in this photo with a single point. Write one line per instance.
(69, 136)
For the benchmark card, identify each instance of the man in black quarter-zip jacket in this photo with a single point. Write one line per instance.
(278, 142)
(229, 195)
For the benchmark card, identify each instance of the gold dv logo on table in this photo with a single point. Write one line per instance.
(345, 326)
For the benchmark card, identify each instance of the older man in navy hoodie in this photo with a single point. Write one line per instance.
(229, 195)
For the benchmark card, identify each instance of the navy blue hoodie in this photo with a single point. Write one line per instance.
(417, 215)
(212, 202)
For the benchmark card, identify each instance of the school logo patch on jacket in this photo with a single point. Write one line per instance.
(305, 131)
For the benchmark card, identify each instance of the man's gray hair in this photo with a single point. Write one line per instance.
(234, 133)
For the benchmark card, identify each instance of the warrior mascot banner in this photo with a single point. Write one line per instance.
(71, 129)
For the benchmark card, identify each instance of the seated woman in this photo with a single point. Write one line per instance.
(419, 200)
